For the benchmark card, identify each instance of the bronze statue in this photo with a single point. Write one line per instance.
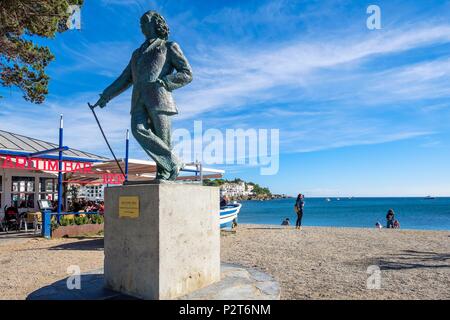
(155, 69)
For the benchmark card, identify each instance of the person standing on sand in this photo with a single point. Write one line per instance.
(299, 204)
(390, 219)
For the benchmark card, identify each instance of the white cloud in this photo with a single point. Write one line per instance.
(231, 77)
(105, 58)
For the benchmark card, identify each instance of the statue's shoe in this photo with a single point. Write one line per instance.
(175, 172)
(160, 176)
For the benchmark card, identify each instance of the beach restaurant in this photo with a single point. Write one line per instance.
(29, 170)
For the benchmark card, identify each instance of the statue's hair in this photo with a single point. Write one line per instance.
(162, 29)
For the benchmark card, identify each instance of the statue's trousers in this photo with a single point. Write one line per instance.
(152, 130)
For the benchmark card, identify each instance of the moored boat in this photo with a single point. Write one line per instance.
(229, 215)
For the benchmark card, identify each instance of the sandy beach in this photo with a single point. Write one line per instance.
(331, 263)
(315, 263)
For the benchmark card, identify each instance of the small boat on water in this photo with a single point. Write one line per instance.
(328, 199)
(429, 198)
(229, 215)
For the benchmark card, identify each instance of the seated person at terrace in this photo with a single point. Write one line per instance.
(101, 207)
(223, 201)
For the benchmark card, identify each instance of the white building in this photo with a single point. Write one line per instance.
(94, 193)
(232, 189)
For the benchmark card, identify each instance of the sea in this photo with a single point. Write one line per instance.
(412, 213)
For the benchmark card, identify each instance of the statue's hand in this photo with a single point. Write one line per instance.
(161, 83)
(101, 102)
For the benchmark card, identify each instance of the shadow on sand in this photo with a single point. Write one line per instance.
(18, 235)
(93, 245)
(92, 288)
(411, 259)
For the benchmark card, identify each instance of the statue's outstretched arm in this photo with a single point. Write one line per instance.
(122, 83)
(183, 74)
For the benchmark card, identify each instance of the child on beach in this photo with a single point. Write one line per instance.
(378, 225)
(285, 222)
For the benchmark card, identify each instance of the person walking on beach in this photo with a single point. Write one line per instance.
(299, 204)
(390, 219)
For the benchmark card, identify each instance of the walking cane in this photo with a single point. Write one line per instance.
(104, 136)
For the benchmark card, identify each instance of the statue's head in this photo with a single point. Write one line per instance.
(153, 25)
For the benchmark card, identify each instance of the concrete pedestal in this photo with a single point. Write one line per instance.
(170, 248)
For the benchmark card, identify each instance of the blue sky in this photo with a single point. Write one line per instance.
(361, 112)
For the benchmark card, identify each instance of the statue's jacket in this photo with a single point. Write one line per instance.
(153, 60)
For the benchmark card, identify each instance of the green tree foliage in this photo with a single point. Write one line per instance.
(22, 61)
(258, 190)
(214, 183)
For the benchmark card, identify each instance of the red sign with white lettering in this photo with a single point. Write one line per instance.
(24, 163)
